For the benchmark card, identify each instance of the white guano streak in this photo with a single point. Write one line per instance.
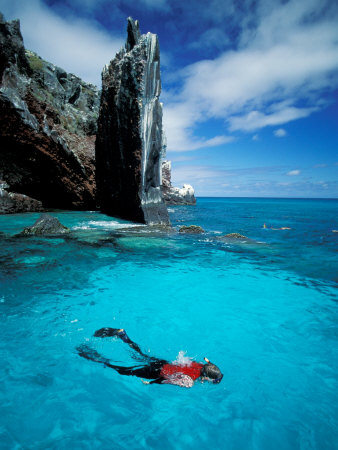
(150, 97)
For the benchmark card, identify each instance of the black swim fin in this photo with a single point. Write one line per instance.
(89, 353)
(107, 332)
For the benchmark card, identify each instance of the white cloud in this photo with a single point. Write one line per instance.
(286, 54)
(255, 119)
(280, 132)
(250, 181)
(177, 121)
(78, 46)
(196, 172)
(276, 76)
(181, 158)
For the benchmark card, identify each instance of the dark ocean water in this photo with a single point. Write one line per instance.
(264, 309)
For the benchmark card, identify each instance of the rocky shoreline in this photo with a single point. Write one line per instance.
(174, 195)
(64, 144)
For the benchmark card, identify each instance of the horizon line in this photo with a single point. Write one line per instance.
(286, 198)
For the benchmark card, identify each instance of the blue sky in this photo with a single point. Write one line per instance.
(250, 87)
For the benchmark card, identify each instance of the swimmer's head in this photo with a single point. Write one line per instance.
(211, 372)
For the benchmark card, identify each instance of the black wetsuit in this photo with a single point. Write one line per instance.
(151, 371)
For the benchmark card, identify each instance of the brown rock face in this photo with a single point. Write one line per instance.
(47, 127)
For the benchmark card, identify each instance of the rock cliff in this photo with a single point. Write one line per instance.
(47, 130)
(129, 142)
(11, 202)
(48, 127)
(173, 195)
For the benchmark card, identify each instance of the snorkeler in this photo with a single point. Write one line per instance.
(159, 371)
(271, 228)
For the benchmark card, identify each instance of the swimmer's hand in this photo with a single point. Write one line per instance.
(144, 381)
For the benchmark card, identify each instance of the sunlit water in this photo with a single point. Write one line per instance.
(264, 310)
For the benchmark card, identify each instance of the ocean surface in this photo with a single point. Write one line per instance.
(264, 309)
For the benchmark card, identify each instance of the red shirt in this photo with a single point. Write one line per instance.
(193, 370)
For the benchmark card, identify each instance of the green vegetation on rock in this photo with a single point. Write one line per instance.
(35, 62)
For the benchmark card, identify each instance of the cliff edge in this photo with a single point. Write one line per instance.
(47, 130)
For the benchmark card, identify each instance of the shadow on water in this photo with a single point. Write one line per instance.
(38, 265)
(31, 265)
(82, 251)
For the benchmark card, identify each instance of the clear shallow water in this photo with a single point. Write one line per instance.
(265, 311)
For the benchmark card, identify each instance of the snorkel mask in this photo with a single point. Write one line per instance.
(216, 369)
(218, 380)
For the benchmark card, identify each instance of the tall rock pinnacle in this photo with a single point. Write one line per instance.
(129, 140)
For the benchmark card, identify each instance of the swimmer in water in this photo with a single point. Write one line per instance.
(281, 228)
(159, 371)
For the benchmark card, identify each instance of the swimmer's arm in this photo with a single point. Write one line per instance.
(180, 380)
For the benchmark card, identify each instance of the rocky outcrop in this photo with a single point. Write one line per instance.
(47, 127)
(191, 229)
(11, 202)
(234, 236)
(173, 195)
(238, 239)
(45, 225)
(129, 141)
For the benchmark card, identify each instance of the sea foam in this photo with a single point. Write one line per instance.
(182, 359)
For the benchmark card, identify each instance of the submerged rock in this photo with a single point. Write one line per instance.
(129, 140)
(234, 236)
(191, 229)
(45, 225)
(239, 239)
(47, 127)
(173, 195)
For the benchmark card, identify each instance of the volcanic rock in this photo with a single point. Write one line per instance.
(191, 229)
(47, 127)
(239, 239)
(174, 195)
(44, 226)
(11, 202)
(129, 140)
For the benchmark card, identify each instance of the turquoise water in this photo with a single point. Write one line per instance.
(264, 310)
